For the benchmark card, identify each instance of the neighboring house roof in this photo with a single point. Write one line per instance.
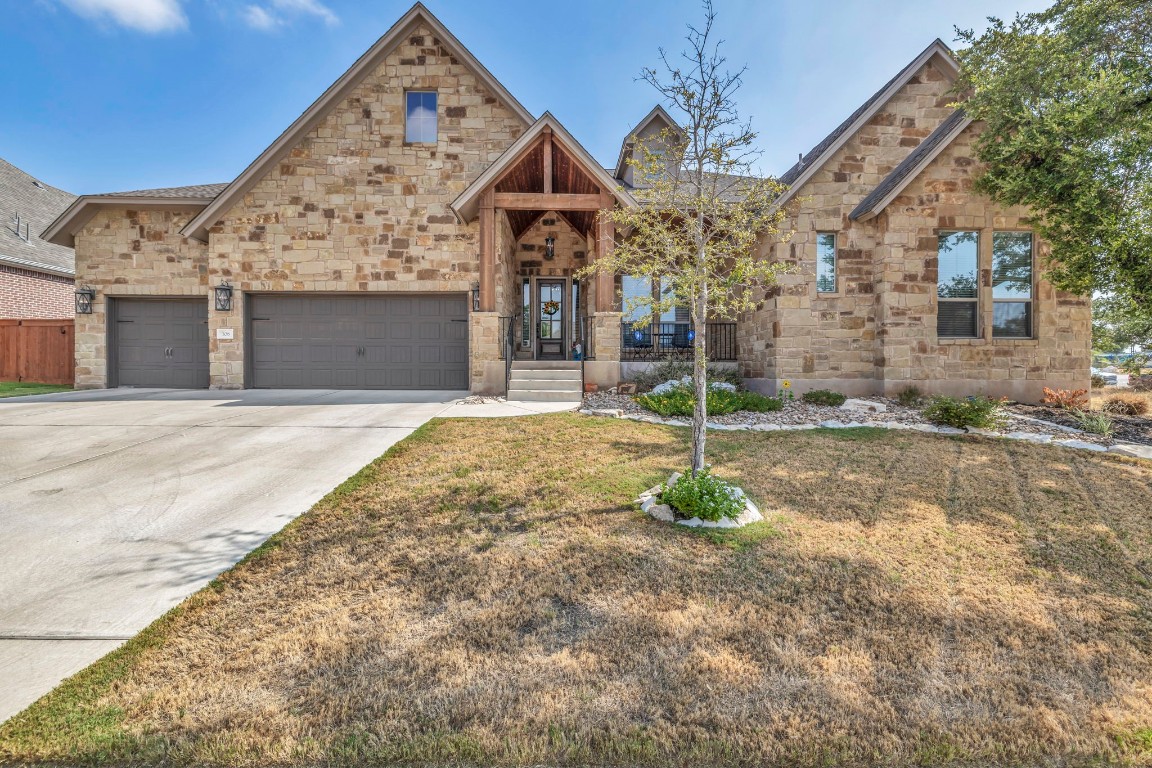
(900, 176)
(37, 204)
(418, 15)
(658, 113)
(468, 203)
(796, 176)
(63, 230)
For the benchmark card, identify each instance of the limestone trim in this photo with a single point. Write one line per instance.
(937, 50)
(416, 17)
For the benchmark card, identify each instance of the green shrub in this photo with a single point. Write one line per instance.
(681, 401)
(1096, 423)
(824, 397)
(674, 370)
(979, 411)
(910, 396)
(703, 496)
(1098, 381)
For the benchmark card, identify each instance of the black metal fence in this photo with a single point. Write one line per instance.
(673, 341)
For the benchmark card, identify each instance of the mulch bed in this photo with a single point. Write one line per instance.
(1128, 429)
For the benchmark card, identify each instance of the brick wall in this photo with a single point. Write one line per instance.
(28, 295)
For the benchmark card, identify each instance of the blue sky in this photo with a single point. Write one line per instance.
(106, 95)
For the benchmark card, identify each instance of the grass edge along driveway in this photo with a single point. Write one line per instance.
(483, 594)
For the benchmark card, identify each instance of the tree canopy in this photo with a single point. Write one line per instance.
(1065, 97)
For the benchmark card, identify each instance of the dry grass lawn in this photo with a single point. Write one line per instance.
(484, 594)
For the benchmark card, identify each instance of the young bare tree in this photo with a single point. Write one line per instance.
(704, 209)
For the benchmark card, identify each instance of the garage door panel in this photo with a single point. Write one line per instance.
(161, 343)
(371, 342)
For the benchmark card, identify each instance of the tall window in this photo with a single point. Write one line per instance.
(637, 293)
(957, 286)
(526, 322)
(420, 117)
(678, 314)
(1012, 285)
(826, 262)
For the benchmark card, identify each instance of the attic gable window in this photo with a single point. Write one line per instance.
(420, 117)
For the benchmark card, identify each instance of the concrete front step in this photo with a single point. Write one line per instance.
(544, 395)
(550, 384)
(548, 373)
(545, 365)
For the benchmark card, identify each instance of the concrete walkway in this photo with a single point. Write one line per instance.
(115, 505)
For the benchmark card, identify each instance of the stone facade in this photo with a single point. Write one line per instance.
(123, 252)
(29, 295)
(876, 334)
(353, 208)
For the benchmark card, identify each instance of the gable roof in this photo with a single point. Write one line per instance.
(658, 113)
(796, 176)
(63, 230)
(416, 16)
(900, 176)
(37, 204)
(467, 203)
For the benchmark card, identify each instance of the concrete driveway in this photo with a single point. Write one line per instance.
(115, 505)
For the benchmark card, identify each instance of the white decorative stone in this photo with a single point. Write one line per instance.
(925, 428)
(950, 431)
(1130, 449)
(612, 413)
(766, 427)
(694, 522)
(894, 425)
(983, 432)
(1032, 437)
(661, 512)
(856, 404)
(1081, 444)
(832, 424)
(676, 423)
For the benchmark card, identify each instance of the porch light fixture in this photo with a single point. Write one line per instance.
(84, 297)
(549, 248)
(224, 297)
(475, 297)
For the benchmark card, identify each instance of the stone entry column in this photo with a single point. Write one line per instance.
(604, 371)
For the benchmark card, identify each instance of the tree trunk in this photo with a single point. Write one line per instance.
(700, 378)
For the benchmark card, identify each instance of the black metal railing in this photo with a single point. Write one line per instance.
(508, 346)
(587, 338)
(673, 341)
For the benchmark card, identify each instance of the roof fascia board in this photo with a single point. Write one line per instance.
(198, 227)
(875, 209)
(63, 230)
(937, 48)
(466, 205)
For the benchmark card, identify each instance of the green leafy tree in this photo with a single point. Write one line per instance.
(1065, 96)
(704, 208)
(1117, 328)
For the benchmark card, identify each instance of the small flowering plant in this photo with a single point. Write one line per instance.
(786, 394)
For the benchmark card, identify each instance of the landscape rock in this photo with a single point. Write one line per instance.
(1033, 437)
(868, 406)
(612, 413)
(1081, 444)
(1132, 450)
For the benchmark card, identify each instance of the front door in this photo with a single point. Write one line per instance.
(550, 320)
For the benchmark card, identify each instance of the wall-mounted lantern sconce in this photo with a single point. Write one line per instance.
(224, 297)
(475, 297)
(549, 248)
(84, 297)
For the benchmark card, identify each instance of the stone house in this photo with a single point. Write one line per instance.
(36, 277)
(417, 227)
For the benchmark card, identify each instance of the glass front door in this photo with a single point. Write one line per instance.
(550, 320)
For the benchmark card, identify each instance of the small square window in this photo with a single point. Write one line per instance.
(826, 262)
(420, 117)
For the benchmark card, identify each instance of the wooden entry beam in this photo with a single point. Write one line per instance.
(605, 244)
(487, 252)
(543, 201)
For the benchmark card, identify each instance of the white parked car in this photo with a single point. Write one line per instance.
(1109, 378)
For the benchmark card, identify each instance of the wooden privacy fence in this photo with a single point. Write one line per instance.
(37, 350)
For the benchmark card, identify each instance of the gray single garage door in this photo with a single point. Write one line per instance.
(160, 343)
(359, 342)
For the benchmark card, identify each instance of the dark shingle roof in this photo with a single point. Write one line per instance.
(176, 193)
(908, 166)
(38, 206)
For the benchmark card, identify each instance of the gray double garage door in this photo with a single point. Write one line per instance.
(302, 342)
